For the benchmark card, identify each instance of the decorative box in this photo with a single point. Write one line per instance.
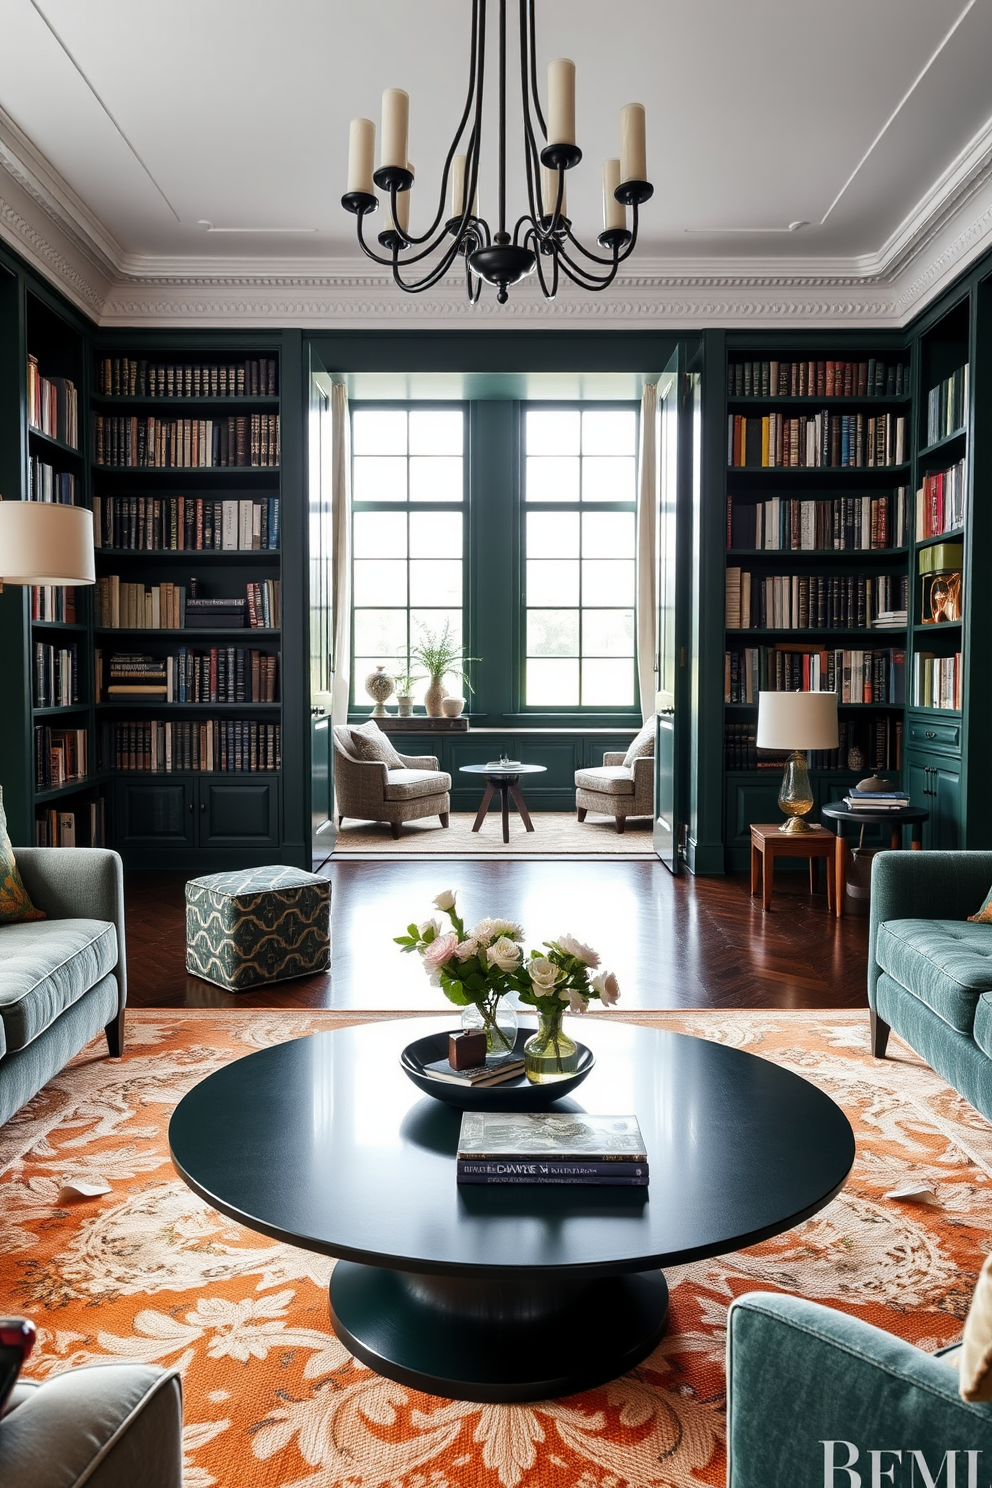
(259, 925)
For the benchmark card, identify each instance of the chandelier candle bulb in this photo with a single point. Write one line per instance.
(395, 126)
(549, 193)
(633, 146)
(614, 212)
(458, 185)
(561, 102)
(361, 156)
(402, 208)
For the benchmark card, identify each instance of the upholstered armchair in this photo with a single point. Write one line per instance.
(615, 789)
(370, 791)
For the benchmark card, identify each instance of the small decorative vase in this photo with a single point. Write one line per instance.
(433, 698)
(499, 1023)
(452, 707)
(549, 1054)
(404, 704)
(855, 759)
(379, 686)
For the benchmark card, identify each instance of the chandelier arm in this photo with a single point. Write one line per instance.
(501, 213)
(528, 6)
(594, 257)
(583, 277)
(393, 262)
(531, 157)
(549, 294)
(386, 263)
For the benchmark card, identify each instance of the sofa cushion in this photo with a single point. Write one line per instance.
(609, 780)
(15, 903)
(982, 1032)
(641, 744)
(411, 785)
(947, 964)
(369, 743)
(46, 968)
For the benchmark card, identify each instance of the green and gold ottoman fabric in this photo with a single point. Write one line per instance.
(258, 925)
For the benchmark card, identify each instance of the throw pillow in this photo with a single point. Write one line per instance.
(370, 743)
(643, 744)
(984, 915)
(14, 902)
(976, 1343)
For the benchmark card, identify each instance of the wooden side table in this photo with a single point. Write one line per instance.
(768, 843)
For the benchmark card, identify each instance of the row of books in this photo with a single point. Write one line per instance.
(162, 746)
(47, 484)
(947, 406)
(185, 443)
(136, 377)
(871, 378)
(53, 602)
(881, 738)
(60, 756)
(812, 601)
(223, 674)
(857, 676)
(56, 675)
(530, 1147)
(823, 440)
(166, 606)
(84, 826)
(940, 501)
(169, 524)
(937, 680)
(53, 405)
(838, 523)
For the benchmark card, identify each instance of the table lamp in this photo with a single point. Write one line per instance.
(797, 721)
(44, 542)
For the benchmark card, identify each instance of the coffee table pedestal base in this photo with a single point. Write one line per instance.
(501, 1340)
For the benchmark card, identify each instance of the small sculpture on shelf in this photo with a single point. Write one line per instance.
(379, 686)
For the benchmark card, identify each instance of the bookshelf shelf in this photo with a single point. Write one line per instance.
(57, 446)
(59, 709)
(70, 625)
(164, 634)
(158, 705)
(239, 556)
(241, 402)
(929, 627)
(780, 400)
(72, 787)
(953, 534)
(796, 472)
(866, 707)
(808, 633)
(854, 556)
(200, 471)
(959, 436)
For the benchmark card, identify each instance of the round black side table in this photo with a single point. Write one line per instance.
(897, 818)
(507, 782)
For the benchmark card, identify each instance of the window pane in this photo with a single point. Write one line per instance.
(433, 620)
(607, 581)
(552, 432)
(552, 682)
(436, 431)
(379, 535)
(552, 632)
(434, 581)
(608, 480)
(609, 432)
(552, 582)
(378, 431)
(436, 534)
(608, 534)
(375, 479)
(552, 479)
(607, 684)
(436, 478)
(608, 632)
(379, 581)
(380, 633)
(552, 534)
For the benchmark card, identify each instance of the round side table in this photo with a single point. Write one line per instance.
(507, 782)
(840, 813)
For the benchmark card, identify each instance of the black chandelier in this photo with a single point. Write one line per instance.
(542, 237)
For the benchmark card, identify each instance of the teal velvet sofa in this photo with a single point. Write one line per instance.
(62, 979)
(929, 970)
(812, 1394)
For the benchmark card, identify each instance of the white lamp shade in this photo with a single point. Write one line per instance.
(43, 542)
(797, 720)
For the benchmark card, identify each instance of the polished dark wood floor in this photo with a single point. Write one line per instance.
(674, 943)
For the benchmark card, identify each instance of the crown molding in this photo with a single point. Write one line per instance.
(54, 230)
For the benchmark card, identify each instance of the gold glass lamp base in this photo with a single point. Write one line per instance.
(795, 796)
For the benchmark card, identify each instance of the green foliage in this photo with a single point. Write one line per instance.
(439, 654)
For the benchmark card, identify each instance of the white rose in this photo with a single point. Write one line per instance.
(466, 949)
(606, 987)
(504, 954)
(543, 974)
(577, 1003)
(508, 929)
(429, 930)
(576, 948)
(484, 932)
(445, 900)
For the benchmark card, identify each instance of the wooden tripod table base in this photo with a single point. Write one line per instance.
(769, 843)
(507, 782)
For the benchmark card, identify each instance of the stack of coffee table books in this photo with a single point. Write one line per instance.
(497, 1068)
(549, 1147)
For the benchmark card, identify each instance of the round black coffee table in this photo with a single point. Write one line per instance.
(506, 780)
(505, 1293)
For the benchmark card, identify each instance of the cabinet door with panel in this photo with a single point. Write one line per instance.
(156, 813)
(934, 782)
(238, 813)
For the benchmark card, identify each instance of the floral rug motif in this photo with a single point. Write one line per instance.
(272, 1399)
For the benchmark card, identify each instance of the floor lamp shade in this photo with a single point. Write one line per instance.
(44, 542)
(797, 720)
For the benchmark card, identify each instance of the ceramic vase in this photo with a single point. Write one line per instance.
(452, 707)
(379, 686)
(404, 704)
(433, 698)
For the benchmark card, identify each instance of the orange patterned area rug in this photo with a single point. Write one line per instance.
(273, 1400)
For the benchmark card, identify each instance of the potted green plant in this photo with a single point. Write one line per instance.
(440, 656)
(405, 682)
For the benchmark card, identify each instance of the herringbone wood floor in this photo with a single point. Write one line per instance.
(700, 943)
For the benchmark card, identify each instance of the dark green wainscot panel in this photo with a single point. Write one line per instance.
(197, 821)
(934, 782)
(242, 813)
(753, 797)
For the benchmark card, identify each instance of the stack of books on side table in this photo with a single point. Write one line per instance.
(496, 1069)
(551, 1147)
(874, 800)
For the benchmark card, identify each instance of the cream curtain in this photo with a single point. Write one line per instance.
(341, 532)
(647, 552)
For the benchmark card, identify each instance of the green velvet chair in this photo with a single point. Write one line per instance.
(800, 1376)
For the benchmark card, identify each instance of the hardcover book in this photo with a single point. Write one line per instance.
(550, 1134)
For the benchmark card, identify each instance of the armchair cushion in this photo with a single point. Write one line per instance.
(642, 743)
(947, 964)
(15, 903)
(609, 780)
(370, 743)
(48, 967)
(410, 785)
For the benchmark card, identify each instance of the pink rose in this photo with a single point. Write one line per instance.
(440, 950)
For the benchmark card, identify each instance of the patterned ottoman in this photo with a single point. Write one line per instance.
(258, 925)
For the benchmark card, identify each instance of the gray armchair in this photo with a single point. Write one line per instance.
(614, 790)
(369, 791)
(105, 1426)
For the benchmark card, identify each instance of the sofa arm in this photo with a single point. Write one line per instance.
(614, 757)
(812, 1392)
(924, 886)
(79, 883)
(419, 762)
